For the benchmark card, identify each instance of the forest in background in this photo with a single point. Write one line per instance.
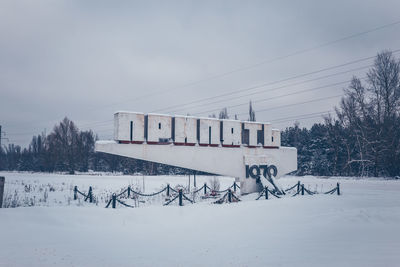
(362, 139)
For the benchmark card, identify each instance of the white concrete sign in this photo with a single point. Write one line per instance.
(249, 151)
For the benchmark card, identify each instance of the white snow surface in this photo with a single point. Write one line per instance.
(358, 228)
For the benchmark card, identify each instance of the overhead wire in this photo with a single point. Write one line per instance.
(282, 96)
(298, 52)
(300, 116)
(277, 97)
(295, 104)
(276, 88)
(275, 82)
(278, 81)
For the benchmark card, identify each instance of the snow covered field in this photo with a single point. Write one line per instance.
(43, 189)
(358, 228)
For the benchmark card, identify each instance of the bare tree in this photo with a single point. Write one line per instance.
(215, 184)
(63, 145)
(223, 114)
(370, 114)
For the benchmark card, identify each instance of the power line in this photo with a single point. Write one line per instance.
(281, 96)
(265, 84)
(277, 97)
(302, 51)
(285, 119)
(282, 80)
(298, 52)
(257, 101)
(105, 130)
(94, 123)
(300, 116)
(26, 133)
(295, 104)
(305, 50)
(300, 119)
(262, 110)
(276, 88)
(377, 28)
(107, 121)
(259, 86)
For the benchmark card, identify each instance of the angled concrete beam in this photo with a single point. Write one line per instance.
(227, 161)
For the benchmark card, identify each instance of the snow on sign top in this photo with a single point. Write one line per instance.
(136, 127)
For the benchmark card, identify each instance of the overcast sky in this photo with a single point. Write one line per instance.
(88, 59)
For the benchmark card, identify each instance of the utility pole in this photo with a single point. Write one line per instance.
(2, 179)
(1, 137)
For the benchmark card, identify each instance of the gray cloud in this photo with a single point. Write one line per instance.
(86, 59)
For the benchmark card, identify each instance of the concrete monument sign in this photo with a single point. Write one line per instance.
(249, 151)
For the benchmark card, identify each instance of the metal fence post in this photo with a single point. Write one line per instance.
(2, 180)
(90, 195)
(298, 186)
(205, 188)
(234, 187)
(229, 195)
(129, 191)
(167, 190)
(302, 189)
(180, 197)
(75, 192)
(266, 192)
(338, 189)
(114, 201)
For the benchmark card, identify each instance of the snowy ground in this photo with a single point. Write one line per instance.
(39, 189)
(358, 228)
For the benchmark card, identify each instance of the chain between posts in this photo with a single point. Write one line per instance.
(301, 190)
(198, 190)
(109, 202)
(228, 195)
(173, 190)
(272, 193)
(336, 189)
(89, 196)
(234, 185)
(126, 205)
(266, 193)
(149, 195)
(181, 196)
(170, 201)
(188, 199)
(296, 185)
(123, 192)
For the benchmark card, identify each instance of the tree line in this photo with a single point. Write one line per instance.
(363, 139)
(67, 149)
